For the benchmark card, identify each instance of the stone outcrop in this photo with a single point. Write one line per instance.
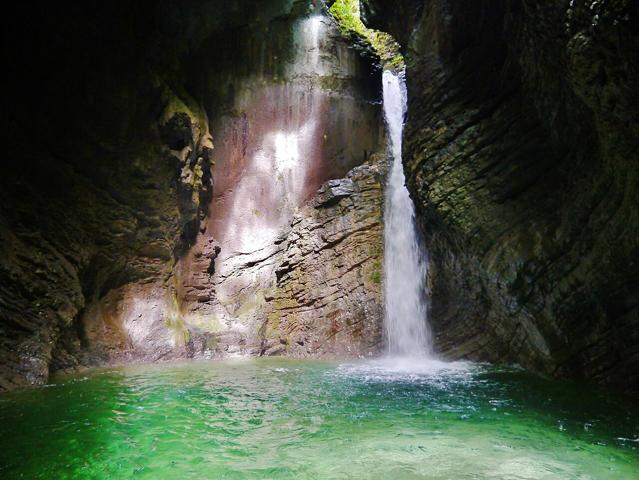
(521, 153)
(327, 299)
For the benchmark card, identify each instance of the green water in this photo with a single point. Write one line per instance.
(313, 420)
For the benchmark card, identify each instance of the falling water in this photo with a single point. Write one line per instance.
(405, 267)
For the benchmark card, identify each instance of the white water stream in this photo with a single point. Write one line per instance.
(405, 266)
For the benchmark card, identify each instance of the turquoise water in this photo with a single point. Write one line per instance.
(289, 419)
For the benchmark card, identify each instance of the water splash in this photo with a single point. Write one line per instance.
(405, 267)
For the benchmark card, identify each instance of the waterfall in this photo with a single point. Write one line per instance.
(405, 267)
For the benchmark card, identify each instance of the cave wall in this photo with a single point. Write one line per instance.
(521, 153)
(107, 182)
(300, 109)
(93, 194)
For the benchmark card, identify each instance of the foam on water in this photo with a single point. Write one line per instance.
(404, 368)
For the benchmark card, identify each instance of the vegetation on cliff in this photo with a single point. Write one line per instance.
(347, 15)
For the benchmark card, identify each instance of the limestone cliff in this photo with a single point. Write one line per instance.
(107, 205)
(521, 152)
(327, 298)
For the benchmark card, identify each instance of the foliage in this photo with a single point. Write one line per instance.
(346, 12)
(347, 15)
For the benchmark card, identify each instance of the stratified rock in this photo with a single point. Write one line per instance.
(107, 251)
(521, 152)
(333, 191)
(327, 300)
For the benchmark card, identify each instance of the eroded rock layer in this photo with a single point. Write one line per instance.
(522, 155)
(327, 297)
(108, 215)
(105, 176)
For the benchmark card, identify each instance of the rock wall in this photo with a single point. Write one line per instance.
(107, 182)
(316, 290)
(305, 111)
(105, 175)
(522, 155)
(327, 298)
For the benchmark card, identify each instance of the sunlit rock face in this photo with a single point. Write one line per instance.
(327, 297)
(303, 113)
(125, 119)
(521, 153)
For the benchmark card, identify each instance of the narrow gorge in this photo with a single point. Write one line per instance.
(320, 239)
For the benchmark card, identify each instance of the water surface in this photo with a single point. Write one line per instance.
(281, 419)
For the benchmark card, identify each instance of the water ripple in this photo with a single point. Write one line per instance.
(291, 419)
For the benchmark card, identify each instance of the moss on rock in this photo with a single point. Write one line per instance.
(347, 15)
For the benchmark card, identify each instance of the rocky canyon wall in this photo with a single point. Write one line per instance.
(301, 110)
(129, 126)
(522, 154)
(203, 178)
(93, 194)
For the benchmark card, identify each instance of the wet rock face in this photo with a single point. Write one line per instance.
(107, 174)
(302, 108)
(327, 299)
(316, 290)
(109, 247)
(522, 155)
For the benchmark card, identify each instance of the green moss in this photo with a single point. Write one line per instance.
(207, 323)
(376, 274)
(347, 15)
(271, 328)
(249, 303)
(346, 12)
(332, 82)
(212, 343)
(174, 321)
